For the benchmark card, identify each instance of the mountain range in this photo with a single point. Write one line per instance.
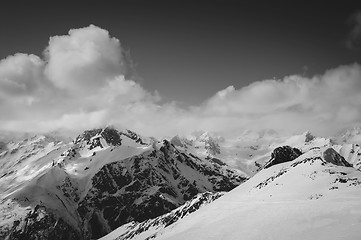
(101, 180)
(116, 184)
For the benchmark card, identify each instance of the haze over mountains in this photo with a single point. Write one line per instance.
(105, 179)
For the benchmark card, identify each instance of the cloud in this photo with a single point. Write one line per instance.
(84, 60)
(354, 38)
(322, 103)
(21, 75)
(80, 83)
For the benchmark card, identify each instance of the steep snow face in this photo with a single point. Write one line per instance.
(148, 229)
(22, 161)
(307, 198)
(103, 179)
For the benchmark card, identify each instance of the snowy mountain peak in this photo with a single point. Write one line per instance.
(308, 136)
(104, 137)
(92, 137)
(210, 142)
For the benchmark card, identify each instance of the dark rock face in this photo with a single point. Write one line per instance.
(283, 154)
(331, 156)
(147, 186)
(134, 136)
(309, 137)
(111, 136)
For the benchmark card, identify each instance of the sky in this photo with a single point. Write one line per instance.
(173, 67)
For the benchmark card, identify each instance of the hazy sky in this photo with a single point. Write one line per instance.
(219, 65)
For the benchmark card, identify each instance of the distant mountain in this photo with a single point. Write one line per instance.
(253, 149)
(101, 180)
(248, 152)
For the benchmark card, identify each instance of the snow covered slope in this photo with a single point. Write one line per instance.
(101, 180)
(307, 198)
(21, 161)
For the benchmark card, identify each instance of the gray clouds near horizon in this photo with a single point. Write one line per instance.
(79, 84)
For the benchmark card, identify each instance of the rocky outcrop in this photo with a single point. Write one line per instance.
(283, 154)
(309, 137)
(331, 156)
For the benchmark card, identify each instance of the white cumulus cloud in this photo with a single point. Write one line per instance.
(83, 60)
